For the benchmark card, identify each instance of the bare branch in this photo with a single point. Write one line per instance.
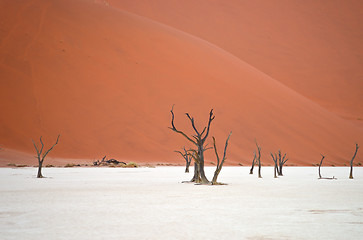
(211, 118)
(41, 142)
(225, 148)
(36, 148)
(219, 162)
(351, 161)
(50, 149)
(203, 131)
(321, 162)
(193, 124)
(179, 153)
(194, 155)
(215, 150)
(177, 131)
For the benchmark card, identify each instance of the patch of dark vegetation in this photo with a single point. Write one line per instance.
(16, 165)
(69, 165)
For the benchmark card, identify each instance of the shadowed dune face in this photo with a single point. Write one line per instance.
(105, 79)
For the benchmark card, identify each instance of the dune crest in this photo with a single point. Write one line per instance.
(313, 47)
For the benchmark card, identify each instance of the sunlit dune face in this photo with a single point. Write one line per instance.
(105, 79)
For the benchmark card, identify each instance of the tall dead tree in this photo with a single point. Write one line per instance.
(258, 159)
(187, 157)
(41, 156)
(351, 161)
(198, 139)
(219, 161)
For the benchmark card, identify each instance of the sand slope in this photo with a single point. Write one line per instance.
(314, 47)
(105, 79)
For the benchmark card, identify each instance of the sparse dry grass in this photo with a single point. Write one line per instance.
(21, 165)
(71, 165)
(16, 165)
(131, 165)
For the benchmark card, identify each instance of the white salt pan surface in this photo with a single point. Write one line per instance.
(152, 203)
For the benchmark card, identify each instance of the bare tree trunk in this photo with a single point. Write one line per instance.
(281, 161)
(253, 163)
(351, 161)
(259, 169)
(258, 158)
(219, 162)
(196, 178)
(321, 162)
(187, 167)
(215, 176)
(275, 171)
(201, 168)
(274, 158)
(40, 164)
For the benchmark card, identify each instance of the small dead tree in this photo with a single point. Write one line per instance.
(98, 162)
(351, 161)
(274, 158)
(321, 162)
(107, 162)
(282, 161)
(188, 158)
(198, 139)
(219, 161)
(258, 159)
(279, 161)
(41, 156)
(253, 163)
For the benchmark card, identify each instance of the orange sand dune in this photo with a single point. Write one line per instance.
(315, 47)
(105, 80)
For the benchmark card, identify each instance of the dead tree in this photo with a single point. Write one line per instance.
(282, 161)
(219, 162)
(199, 141)
(253, 163)
(279, 161)
(274, 158)
(188, 158)
(104, 162)
(41, 156)
(98, 162)
(351, 161)
(321, 162)
(258, 159)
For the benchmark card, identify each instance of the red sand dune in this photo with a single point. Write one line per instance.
(105, 79)
(314, 47)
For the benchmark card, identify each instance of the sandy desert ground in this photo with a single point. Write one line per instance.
(152, 203)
